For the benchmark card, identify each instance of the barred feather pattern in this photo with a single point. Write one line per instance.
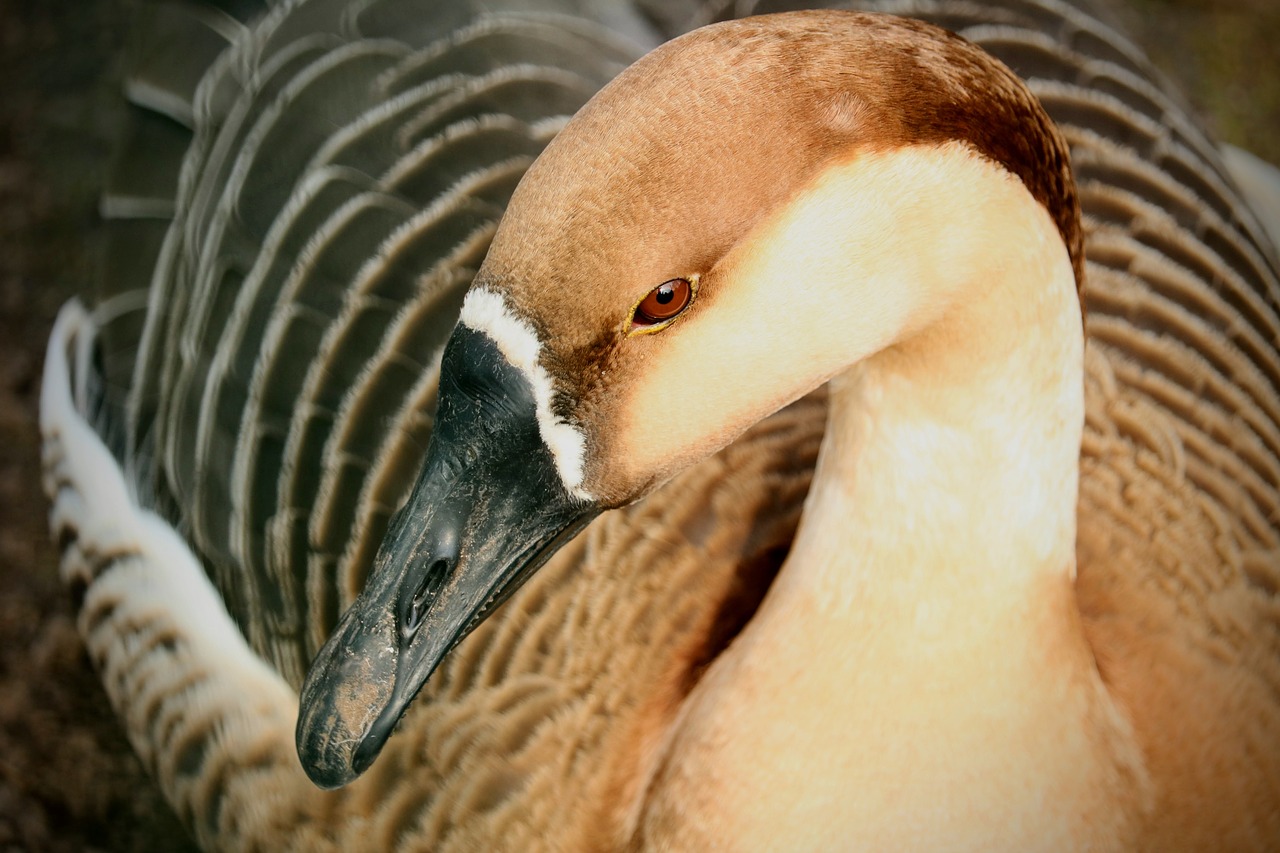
(347, 169)
(260, 367)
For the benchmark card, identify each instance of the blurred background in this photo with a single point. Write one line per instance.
(68, 779)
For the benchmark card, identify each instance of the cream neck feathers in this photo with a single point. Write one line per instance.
(921, 642)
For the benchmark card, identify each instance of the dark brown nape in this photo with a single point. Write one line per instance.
(1005, 122)
(912, 82)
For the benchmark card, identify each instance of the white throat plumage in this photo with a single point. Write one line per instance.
(487, 312)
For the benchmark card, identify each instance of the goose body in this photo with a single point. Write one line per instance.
(1028, 601)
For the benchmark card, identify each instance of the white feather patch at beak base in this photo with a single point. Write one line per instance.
(487, 312)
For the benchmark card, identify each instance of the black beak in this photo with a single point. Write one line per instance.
(488, 509)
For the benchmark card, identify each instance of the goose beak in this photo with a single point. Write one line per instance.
(489, 508)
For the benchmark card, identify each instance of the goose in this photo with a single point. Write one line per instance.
(1028, 599)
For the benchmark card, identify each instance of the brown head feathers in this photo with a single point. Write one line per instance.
(684, 151)
(677, 160)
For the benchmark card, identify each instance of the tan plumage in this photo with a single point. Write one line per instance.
(566, 692)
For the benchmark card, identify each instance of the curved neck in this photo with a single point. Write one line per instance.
(920, 652)
(949, 470)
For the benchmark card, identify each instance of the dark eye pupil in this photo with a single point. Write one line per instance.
(662, 303)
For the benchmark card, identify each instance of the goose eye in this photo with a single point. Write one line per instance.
(662, 303)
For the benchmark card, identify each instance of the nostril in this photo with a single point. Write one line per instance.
(428, 589)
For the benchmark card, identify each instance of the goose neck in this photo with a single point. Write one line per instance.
(921, 650)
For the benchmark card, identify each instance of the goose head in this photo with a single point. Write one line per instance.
(737, 218)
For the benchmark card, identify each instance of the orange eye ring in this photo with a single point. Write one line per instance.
(662, 304)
